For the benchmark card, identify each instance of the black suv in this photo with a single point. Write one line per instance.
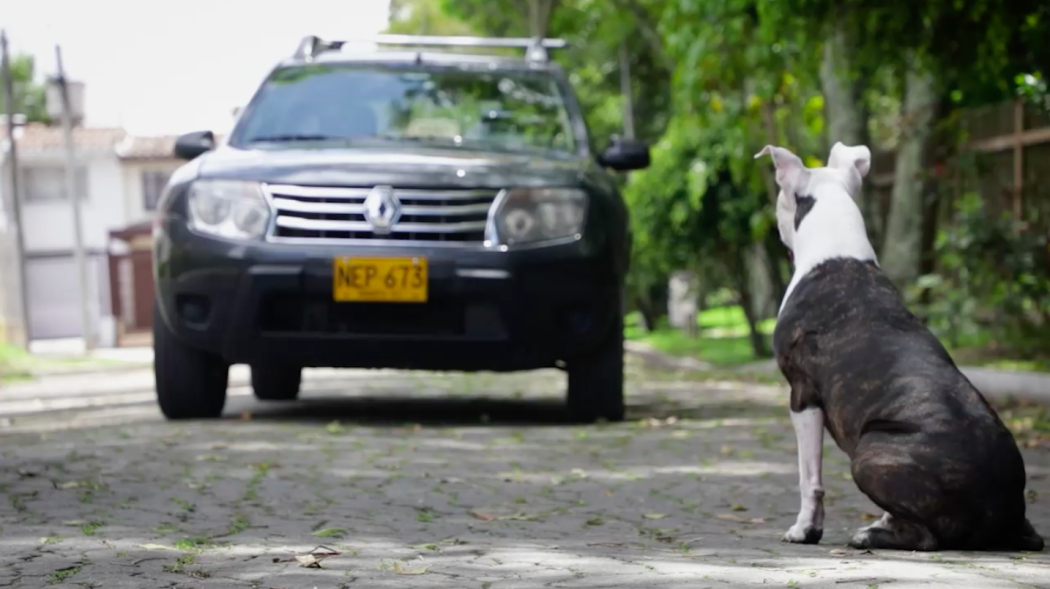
(395, 208)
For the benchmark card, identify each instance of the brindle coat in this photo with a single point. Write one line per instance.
(924, 443)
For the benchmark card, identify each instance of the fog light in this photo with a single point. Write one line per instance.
(193, 309)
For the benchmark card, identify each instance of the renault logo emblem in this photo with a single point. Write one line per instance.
(382, 209)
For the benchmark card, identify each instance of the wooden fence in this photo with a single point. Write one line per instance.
(1010, 167)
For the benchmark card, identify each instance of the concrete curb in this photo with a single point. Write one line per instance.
(109, 367)
(1026, 386)
(993, 383)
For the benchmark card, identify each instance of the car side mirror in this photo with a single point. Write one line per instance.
(191, 145)
(626, 154)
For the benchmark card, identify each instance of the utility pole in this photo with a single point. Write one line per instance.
(626, 92)
(71, 190)
(16, 198)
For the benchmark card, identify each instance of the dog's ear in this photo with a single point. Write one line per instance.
(791, 172)
(850, 157)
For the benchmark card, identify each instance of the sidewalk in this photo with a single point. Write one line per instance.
(993, 383)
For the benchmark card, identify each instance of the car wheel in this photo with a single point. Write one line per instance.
(191, 383)
(596, 382)
(276, 383)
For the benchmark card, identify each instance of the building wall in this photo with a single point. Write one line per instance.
(49, 225)
(51, 275)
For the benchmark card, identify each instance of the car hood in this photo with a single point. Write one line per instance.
(399, 167)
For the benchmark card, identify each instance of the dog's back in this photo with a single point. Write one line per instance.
(897, 405)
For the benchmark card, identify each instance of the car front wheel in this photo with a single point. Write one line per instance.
(191, 383)
(596, 382)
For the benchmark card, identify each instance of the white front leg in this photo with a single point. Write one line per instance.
(809, 432)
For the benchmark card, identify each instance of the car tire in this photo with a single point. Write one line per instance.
(596, 382)
(191, 383)
(276, 383)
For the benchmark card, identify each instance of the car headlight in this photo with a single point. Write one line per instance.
(529, 215)
(229, 208)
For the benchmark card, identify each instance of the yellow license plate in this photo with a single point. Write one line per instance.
(391, 280)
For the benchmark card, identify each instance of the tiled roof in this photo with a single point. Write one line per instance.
(40, 137)
(37, 137)
(147, 148)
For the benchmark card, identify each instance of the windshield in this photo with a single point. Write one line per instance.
(470, 109)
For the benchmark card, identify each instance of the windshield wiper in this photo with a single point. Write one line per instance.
(293, 137)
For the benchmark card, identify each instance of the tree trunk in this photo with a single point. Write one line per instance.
(775, 253)
(932, 208)
(759, 277)
(845, 112)
(902, 247)
(648, 312)
(740, 275)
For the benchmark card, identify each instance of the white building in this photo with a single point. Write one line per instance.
(119, 179)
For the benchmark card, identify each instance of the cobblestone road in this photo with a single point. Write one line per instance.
(386, 479)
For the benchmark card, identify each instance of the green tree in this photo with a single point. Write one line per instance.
(29, 95)
(424, 17)
(937, 56)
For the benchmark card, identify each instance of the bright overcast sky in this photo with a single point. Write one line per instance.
(171, 67)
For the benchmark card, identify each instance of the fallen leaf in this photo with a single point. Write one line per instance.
(308, 561)
(837, 552)
(156, 547)
(757, 520)
(730, 517)
(245, 416)
(738, 508)
(608, 493)
(312, 559)
(485, 517)
(403, 570)
(72, 485)
(74, 522)
(607, 544)
(868, 516)
(655, 515)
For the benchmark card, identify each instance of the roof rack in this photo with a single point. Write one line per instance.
(535, 48)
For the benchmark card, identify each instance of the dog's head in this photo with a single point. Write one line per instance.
(802, 187)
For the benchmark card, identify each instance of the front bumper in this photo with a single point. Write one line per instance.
(488, 310)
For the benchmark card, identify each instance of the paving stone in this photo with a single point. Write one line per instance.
(396, 479)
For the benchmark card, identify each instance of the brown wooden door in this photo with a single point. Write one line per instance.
(142, 282)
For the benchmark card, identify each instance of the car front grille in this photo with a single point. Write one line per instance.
(437, 216)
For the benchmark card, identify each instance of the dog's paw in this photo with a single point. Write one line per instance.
(861, 540)
(803, 534)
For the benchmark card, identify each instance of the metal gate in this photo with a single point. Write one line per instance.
(53, 287)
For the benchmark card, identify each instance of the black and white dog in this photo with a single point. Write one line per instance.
(925, 446)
